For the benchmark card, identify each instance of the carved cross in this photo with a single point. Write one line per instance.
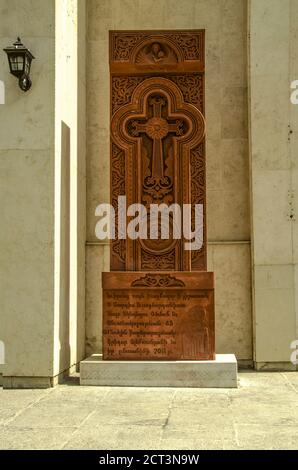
(157, 128)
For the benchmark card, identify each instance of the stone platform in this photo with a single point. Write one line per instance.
(220, 373)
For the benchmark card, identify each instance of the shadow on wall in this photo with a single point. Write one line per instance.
(64, 324)
(2, 353)
(2, 92)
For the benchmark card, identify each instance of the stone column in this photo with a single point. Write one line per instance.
(70, 184)
(273, 153)
(39, 183)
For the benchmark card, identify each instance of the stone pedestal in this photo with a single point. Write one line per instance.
(220, 373)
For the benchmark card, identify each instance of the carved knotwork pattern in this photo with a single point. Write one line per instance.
(197, 160)
(123, 45)
(158, 262)
(191, 45)
(192, 88)
(119, 249)
(122, 89)
(158, 280)
(118, 189)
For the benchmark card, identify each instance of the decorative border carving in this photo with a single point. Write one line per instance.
(125, 45)
(191, 45)
(192, 88)
(118, 189)
(158, 280)
(158, 261)
(122, 45)
(197, 164)
(122, 89)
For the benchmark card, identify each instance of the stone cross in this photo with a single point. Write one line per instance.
(157, 128)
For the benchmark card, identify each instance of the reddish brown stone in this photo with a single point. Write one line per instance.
(162, 306)
(157, 137)
(158, 316)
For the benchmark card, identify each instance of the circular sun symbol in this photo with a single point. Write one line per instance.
(157, 128)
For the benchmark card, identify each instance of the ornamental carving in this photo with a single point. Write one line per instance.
(158, 280)
(192, 87)
(191, 45)
(117, 189)
(157, 134)
(151, 47)
(122, 88)
(198, 196)
(156, 53)
(122, 45)
(151, 261)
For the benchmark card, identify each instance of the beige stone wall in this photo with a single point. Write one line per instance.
(274, 160)
(27, 193)
(227, 151)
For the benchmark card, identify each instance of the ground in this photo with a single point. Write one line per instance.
(261, 414)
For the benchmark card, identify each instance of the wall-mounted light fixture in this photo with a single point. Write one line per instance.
(19, 59)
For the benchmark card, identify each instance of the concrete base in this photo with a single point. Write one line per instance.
(275, 366)
(220, 373)
(35, 382)
(28, 382)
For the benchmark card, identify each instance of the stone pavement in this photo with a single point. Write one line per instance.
(261, 414)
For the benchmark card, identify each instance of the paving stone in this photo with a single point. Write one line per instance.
(28, 438)
(20, 398)
(129, 414)
(259, 437)
(261, 414)
(41, 416)
(116, 438)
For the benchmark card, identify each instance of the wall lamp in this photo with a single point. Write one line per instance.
(19, 59)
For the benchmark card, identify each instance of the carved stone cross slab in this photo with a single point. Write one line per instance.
(158, 299)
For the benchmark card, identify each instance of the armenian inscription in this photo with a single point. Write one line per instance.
(162, 316)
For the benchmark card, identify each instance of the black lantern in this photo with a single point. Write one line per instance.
(19, 59)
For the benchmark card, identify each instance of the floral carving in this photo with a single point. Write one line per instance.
(197, 161)
(158, 280)
(122, 88)
(197, 197)
(156, 49)
(118, 189)
(123, 45)
(192, 88)
(191, 45)
(158, 262)
(157, 128)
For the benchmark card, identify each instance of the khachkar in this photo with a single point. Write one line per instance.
(158, 299)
